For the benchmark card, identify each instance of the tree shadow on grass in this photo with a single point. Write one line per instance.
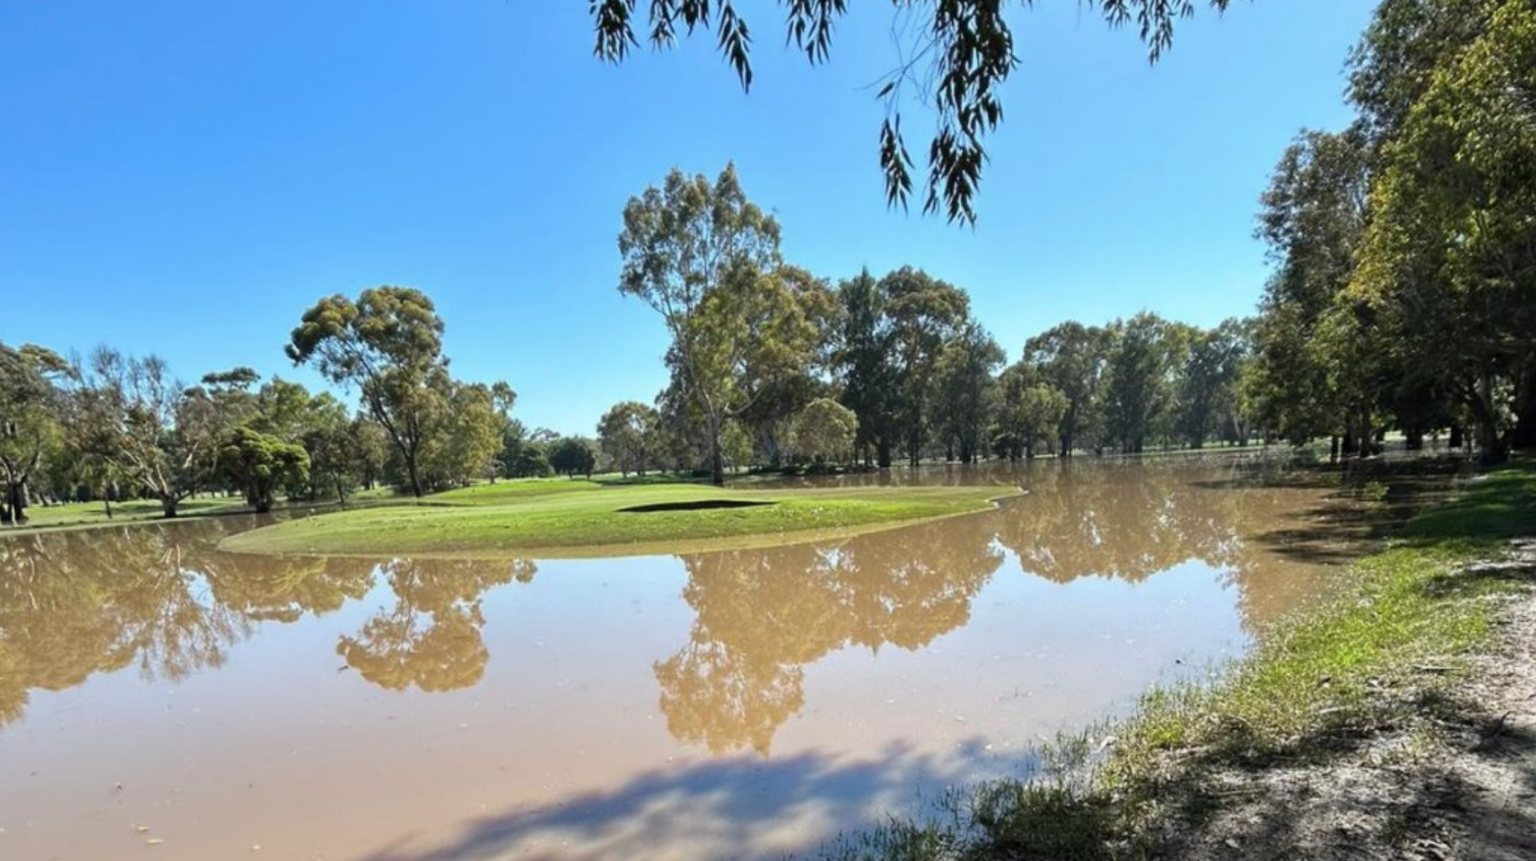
(732, 807)
(1376, 504)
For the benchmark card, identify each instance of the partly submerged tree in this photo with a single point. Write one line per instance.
(953, 56)
(866, 367)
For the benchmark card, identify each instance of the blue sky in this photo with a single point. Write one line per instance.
(186, 178)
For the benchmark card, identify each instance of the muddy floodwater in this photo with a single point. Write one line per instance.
(159, 698)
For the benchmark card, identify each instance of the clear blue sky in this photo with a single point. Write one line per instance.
(186, 177)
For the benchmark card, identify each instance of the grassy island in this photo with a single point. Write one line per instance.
(557, 517)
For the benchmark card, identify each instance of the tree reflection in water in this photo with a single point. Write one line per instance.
(76, 603)
(431, 639)
(1131, 520)
(762, 615)
(161, 598)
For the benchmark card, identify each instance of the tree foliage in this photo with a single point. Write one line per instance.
(954, 57)
(824, 431)
(260, 463)
(387, 343)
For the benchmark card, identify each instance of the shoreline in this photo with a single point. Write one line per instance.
(1396, 721)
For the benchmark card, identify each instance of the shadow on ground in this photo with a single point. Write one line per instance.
(732, 807)
(1373, 789)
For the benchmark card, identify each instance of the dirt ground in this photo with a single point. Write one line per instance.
(1458, 784)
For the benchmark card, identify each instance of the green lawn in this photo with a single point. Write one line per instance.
(574, 518)
(95, 513)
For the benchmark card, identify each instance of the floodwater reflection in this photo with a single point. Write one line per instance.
(431, 639)
(762, 615)
(523, 703)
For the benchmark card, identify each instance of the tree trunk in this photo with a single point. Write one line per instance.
(410, 468)
(1458, 437)
(1333, 449)
(717, 465)
(883, 453)
(168, 504)
(716, 456)
(1491, 445)
(16, 501)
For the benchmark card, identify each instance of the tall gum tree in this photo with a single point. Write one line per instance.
(703, 257)
(863, 358)
(925, 313)
(389, 345)
(1448, 262)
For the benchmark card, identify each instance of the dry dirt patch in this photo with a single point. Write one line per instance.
(1457, 784)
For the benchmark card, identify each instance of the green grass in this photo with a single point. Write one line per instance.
(572, 518)
(95, 513)
(1387, 655)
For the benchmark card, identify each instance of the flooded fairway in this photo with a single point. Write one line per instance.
(159, 696)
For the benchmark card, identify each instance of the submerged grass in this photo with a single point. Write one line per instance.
(562, 517)
(1386, 655)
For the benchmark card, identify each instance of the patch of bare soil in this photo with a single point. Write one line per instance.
(1455, 783)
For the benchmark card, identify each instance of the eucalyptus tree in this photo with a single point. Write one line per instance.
(707, 260)
(387, 343)
(953, 56)
(866, 366)
(1137, 392)
(160, 435)
(627, 433)
(1447, 264)
(924, 313)
(1208, 398)
(31, 421)
(465, 436)
(824, 431)
(1072, 358)
(1027, 411)
(1313, 350)
(800, 370)
(966, 365)
(261, 463)
(573, 455)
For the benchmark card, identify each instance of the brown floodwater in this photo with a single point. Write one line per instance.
(158, 696)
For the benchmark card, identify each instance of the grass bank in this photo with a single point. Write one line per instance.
(1345, 734)
(70, 514)
(559, 517)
